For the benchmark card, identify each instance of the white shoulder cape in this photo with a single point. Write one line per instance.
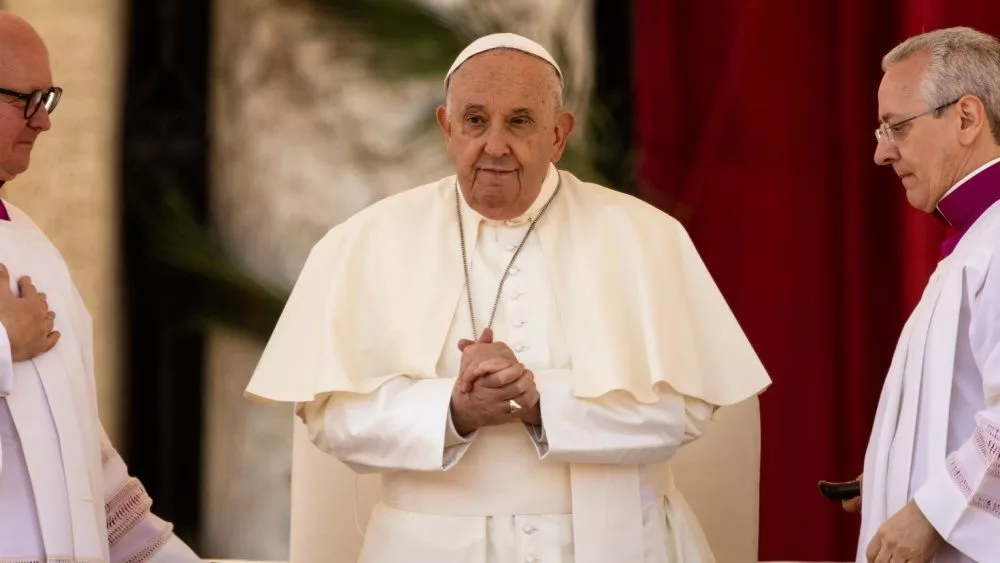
(377, 294)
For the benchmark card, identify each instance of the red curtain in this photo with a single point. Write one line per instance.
(755, 119)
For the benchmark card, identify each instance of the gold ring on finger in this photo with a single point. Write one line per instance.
(512, 407)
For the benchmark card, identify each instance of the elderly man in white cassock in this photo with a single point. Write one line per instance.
(931, 482)
(65, 494)
(518, 353)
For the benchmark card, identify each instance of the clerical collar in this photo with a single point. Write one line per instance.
(473, 218)
(965, 202)
(4, 214)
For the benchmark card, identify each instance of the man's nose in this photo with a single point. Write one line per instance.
(885, 153)
(497, 144)
(41, 120)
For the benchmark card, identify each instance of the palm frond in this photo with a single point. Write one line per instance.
(397, 38)
(228, 293)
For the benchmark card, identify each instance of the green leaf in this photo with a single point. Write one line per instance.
(399, 39)
(229, 294)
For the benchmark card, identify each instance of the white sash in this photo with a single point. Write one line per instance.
(607, 514)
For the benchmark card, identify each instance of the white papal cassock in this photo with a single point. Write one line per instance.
(936, 437)
(608, 303)
(65, 494)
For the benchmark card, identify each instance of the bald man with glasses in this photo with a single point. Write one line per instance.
(65, 493)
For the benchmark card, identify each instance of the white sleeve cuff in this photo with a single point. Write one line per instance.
(538, 438)
(6, 364)
(438, 392)
(941, 501)
(451, 435)
(957, 519)
(556, 400)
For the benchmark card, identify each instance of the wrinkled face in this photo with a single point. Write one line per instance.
(503, 126)
(24, 68)
(926, 153)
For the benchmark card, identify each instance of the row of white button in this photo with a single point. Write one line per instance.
(528, 529)
(515, 294)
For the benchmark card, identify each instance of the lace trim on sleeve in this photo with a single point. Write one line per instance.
(987, 440)
(983, 494)
(126, 509)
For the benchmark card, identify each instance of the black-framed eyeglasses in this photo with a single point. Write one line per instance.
(33, 101)
(887, 132)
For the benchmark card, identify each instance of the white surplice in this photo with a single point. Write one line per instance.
(65, 495)
(591, 483)
(936, 437)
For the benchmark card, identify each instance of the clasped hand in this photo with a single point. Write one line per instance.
(490, 375)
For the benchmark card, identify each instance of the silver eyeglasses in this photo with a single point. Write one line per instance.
(886, 132)
(33, 101)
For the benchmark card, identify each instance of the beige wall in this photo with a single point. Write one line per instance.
(71, 187)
